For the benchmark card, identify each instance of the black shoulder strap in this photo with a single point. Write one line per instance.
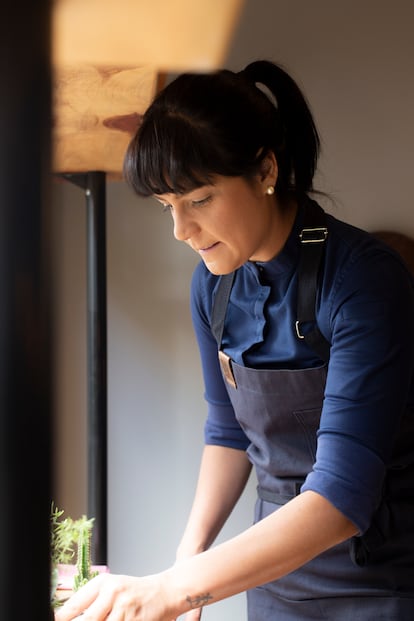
(220, 302)
(312, 236)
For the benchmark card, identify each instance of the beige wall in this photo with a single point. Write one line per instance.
(354, 60)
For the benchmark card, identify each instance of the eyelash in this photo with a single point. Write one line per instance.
(200, 203)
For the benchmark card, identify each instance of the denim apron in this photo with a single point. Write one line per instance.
(363, 579)
(279, 411)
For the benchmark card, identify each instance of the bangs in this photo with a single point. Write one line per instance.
(167, 157)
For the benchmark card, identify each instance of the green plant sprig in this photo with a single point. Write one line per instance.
(69, 539)
(62, 537)
(84, 533)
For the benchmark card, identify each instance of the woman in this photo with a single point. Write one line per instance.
(306, 337)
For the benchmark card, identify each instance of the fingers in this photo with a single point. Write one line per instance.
(116, 598)
(101, 609)
(79, 601)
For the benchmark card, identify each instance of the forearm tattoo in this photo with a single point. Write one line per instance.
(199, 600)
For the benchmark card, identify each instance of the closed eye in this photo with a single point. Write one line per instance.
(166, 207)
(202, 202)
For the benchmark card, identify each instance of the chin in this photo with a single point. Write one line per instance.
(220, 270)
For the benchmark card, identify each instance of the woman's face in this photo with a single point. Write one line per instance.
(229, 222)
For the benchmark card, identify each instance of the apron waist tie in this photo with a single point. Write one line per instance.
(290, 490)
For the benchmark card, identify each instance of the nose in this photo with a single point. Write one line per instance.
(184, 225)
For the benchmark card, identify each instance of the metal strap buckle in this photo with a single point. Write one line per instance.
(298, 334)
(315, 235)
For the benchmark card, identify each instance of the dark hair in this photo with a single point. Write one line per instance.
(223, 123)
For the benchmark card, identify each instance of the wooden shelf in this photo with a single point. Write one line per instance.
(96, 110)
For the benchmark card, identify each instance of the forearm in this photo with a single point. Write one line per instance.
(222, 478)
(282, 542)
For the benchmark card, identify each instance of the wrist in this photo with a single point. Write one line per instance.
(188, 548)
(190, 582)
(174, 592)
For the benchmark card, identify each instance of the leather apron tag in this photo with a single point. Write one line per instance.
(225, 364)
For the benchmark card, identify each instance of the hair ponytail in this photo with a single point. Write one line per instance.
(297, 159)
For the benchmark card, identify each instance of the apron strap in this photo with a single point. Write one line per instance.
(312, 237)
(220, 303)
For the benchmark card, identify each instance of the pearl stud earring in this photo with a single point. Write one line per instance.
(270, 190)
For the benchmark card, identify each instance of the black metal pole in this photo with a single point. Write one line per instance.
(25, 318)
(94, 185)
(97, 362)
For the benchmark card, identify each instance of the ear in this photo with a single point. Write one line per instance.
(268, 170)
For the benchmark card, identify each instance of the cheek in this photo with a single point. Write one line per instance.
(245, 227)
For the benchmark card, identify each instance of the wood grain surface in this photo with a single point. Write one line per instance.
(96, 110)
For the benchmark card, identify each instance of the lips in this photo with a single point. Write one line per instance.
(208, 248)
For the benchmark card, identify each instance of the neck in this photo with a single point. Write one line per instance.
(280, 227)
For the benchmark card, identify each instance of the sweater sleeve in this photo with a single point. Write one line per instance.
(368, 385)
(221, 427)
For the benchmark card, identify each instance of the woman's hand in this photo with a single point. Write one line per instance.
(118, 598)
